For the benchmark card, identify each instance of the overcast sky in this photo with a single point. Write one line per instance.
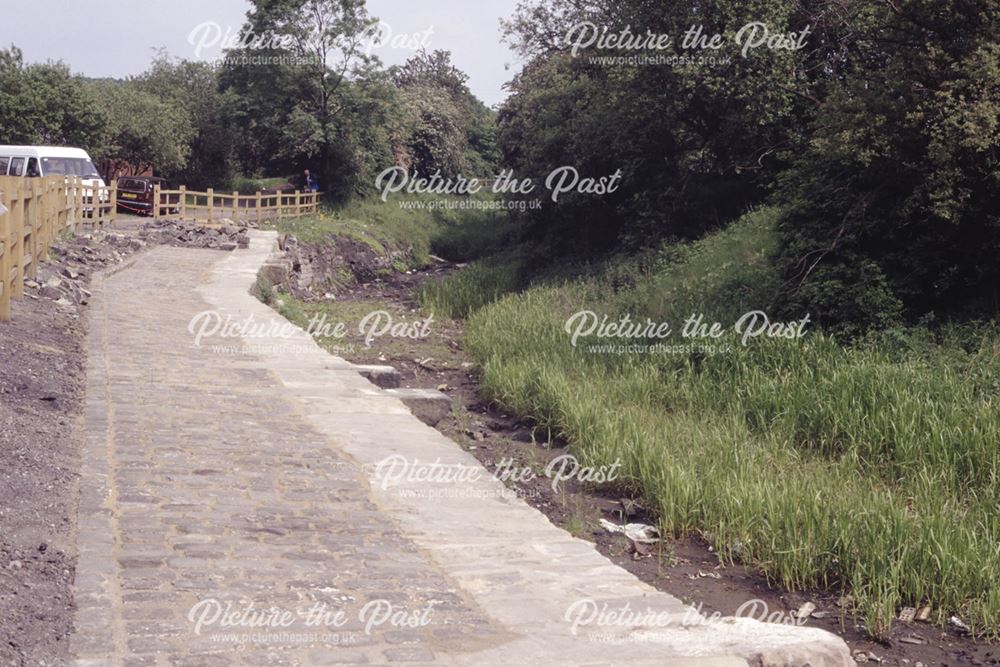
(111, 38)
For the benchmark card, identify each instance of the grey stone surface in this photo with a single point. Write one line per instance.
(244, 472)
(428, 405)
(200, 482)
(386, 377)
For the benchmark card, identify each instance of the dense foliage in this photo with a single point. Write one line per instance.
(44, 104)
(696, 142)
(446, 129)
(894, 204)
(335, 108)
(879, 138)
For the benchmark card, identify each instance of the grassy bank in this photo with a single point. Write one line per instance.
(418, 226)
(324, 316)
(870, 469)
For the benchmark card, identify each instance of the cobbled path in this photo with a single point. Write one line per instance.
(228, 514)
(201, 484)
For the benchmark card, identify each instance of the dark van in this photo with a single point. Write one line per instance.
(135, 194)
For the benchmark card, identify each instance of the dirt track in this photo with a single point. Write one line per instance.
(41, 370)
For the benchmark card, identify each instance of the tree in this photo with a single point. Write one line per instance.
(194, 87)
(894, 205)
(142, 131)
(44, 104)
(447, 129)
(322, 102)
(696, 142)
(293, 106)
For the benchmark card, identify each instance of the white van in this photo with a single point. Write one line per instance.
(33, 161)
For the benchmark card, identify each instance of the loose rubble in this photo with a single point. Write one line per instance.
(72, 262)
(227, 236)
(308, 270)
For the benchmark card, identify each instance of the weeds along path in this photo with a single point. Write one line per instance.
(230, 514)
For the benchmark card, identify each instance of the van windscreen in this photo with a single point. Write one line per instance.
(132, 184)
(69, 166)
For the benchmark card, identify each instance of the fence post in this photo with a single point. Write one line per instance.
(79, 200)
(67, 202)
(236, 205)
(46, 236)
(298, 204)
(280, 194)
(95, 200)
(211, 203)
(258, 208)
(54, 208)
(79, 197)
(113, 203)
(5, 254)
(17, 227)
(59, 205)
(156, 201)
(31, 225)
(38, 185)
(63, 208)
(74, 210)
(55, 204)
(38, 225)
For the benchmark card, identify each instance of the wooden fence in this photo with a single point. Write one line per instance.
(39, 211)
(211, 207)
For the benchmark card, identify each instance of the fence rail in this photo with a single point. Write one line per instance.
(39, 210)
(211, 206)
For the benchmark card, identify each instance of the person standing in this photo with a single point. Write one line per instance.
(309, 181)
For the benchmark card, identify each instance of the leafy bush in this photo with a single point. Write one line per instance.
(894, 206)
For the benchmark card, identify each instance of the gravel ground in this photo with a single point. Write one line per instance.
(41, 387)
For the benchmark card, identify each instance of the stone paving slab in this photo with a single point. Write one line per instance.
(235, 483)
(202, 484)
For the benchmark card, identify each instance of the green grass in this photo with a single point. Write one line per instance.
(477, 285)
(870, 469)
(250, 185)
(412, 233)
(352, 314)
